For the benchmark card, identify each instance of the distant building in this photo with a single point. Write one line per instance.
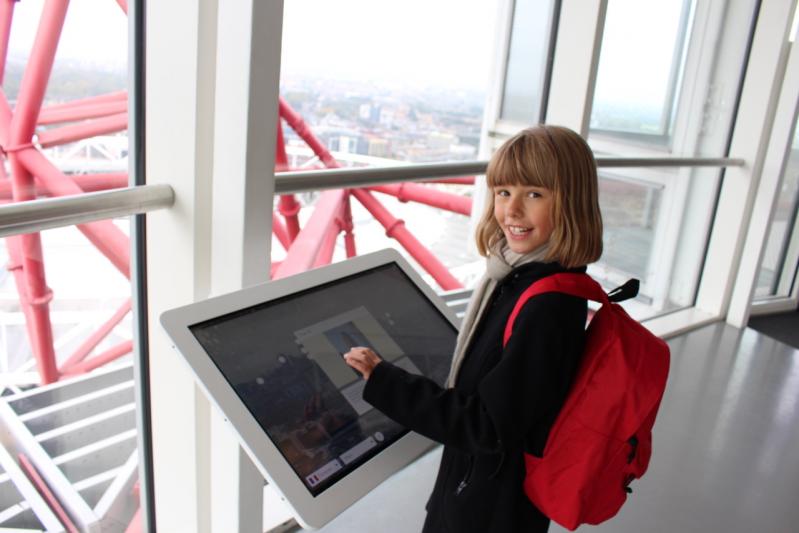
(378, 147)
(440, 141)
(369, 112)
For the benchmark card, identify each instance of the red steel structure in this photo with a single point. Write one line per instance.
(31, 126)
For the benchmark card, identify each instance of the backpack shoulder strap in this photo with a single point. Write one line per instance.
(580, 285)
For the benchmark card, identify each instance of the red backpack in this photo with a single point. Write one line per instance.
(602, 438)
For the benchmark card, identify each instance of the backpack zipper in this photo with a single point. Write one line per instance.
(633, 442)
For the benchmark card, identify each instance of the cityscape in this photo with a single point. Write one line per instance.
(387, 122)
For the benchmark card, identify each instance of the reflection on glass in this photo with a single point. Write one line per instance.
(629, 215)
(780, 255)
(640, 66)
(528, 52)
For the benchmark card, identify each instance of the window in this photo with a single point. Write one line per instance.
(669, 77)
(529, 58)
(640, 69)
(781, 256)
(66, 334)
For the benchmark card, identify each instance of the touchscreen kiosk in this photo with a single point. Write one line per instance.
(270, 357)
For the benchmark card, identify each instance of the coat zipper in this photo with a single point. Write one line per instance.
(465, 481)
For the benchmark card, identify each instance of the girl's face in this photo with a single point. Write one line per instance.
(525, 215)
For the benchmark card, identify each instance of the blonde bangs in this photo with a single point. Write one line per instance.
(523, 160)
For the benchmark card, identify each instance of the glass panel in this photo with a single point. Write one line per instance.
(639, 66)
(376, 90)
(75, 332)
(648, 104)
(629, 214)
(374, 87)
(82, 126)
(528, 54)
(779, 259)
(65, 318)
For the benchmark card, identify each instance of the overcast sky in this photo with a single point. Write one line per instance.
(445, 43)
(95, 31)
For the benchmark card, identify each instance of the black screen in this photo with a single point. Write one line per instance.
(284, 360)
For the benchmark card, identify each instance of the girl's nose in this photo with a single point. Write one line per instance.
(515, 206)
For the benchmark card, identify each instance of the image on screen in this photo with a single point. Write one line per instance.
(284, 359)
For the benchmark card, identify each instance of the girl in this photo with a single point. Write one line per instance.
(543, 218)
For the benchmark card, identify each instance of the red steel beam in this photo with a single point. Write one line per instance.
(37, 322)
(135, 523)
(280, 231)
(6, 16)
(349, 235)
(112, 354)
(42, 488)
(87, 183)
(328, 245)
(96, 338)
(299, 126)
(37, 72)
(273, 269)
(20, 130)
(82, 112)
(288, 205)
(412, 192)
(306, 246)
(395, 228)
(37, 317)
(83, 130)
(290, 209)
(281, 159)
(116, 96)
(466, 180)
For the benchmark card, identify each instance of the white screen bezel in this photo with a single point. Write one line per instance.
(310, 511)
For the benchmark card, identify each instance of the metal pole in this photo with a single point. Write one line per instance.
(82, 208)
(315, 180)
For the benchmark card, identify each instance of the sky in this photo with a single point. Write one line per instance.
(442, 43)
(438, 43)
(635, 57)
(417, 42)
(95, 32)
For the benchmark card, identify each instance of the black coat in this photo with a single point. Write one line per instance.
(503, 403)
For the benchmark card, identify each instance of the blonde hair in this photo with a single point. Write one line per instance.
(557, 159)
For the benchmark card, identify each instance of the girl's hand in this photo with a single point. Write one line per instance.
(364, 360)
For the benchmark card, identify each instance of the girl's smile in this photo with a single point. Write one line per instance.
(525, 215)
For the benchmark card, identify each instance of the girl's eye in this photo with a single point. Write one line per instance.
(533, 194)
(502, 192)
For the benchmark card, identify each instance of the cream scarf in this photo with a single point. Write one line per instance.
(500, 262)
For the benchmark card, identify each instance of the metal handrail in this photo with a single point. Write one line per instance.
(37, 215)
(337, 178)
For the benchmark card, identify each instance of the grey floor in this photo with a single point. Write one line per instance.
(726, 449)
